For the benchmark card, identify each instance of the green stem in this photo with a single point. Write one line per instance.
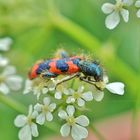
(97, 133)
(135, 118)
(12, 103)
(75, 31)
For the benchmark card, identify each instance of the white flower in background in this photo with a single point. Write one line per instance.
(9, 80)
(114, 11)
(29, 128)
(45, 111)
(37, 86)
(3, 61)
(137, 4)
(5, 43)
(78, 96)
(74, 125)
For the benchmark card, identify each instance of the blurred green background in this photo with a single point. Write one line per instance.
(39, 27)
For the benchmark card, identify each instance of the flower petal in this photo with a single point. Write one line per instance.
(78, 132)
(52, 106)
(34, 130)
(125, 14)
(80, 89)
(70, 99)
(58, 95)
(127, 2)
(44, 90)
(30, 110)
(38, 107)
(105, 79)
(80, 102)
(68, 91)
(46, 100)
(20, 120)
(138, 13)
(107, 8)
(116, 88)
(4, 88)
(5, 43)
(82, 120)
(112, 20)
(70, 110)
(34, 114)
(28, 86)
(65, 130)
(40, 119)
(49, 116)
(9, 70)
(62, 114)
(14, 82)
(37, 92)
(3, 61)
(137, 4)
(87, 96)
(25, 133)
(98, 95)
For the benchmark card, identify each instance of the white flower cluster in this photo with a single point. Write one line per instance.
(65, 103)
(114, 11)
(8, 78)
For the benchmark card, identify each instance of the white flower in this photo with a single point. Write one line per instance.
(114, 87)
(78, 96)
(75, 126)
(9, 80)
(114, 11)
(38, 86)
(45, 111)
(29, 128)
(3, 61)
(137, 4)
(5, 44)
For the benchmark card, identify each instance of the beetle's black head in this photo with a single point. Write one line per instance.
(91, 69)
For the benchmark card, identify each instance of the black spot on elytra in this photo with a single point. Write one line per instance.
(43, 66)
(62, 65)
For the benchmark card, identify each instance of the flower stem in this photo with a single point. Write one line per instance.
(135, 119)
(12, 103)
(97, 133)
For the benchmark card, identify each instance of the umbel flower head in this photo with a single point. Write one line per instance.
(39, 86)
(74, 125)
(28, 127)
(115, 11)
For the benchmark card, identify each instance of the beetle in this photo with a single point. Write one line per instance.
(75, 66)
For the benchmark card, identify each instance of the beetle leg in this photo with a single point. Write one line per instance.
(67, 79)
(90, 82)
